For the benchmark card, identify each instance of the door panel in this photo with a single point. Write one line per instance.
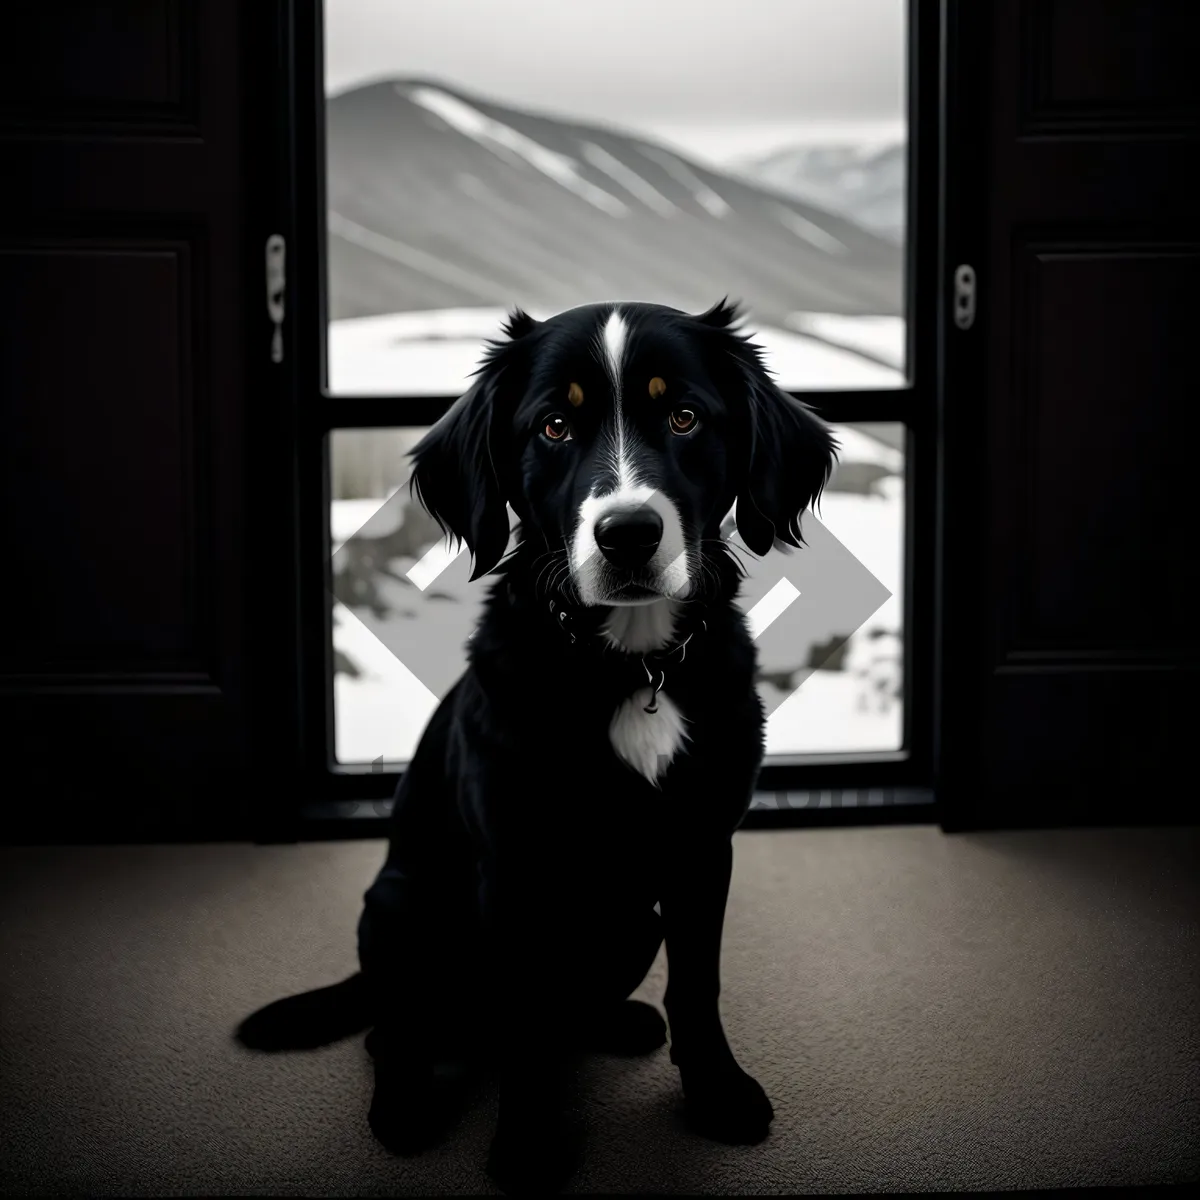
(1069, 652)
(126, 66)
(124, 319)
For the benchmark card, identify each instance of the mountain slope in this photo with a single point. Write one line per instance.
(867, 184)
(440, 200)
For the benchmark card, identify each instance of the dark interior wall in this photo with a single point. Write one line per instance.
(148, 445)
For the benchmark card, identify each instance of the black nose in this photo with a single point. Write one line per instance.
(628, 537)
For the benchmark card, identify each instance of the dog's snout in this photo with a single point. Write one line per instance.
(628, 537)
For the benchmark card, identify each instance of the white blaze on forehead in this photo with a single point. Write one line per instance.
(613, 340)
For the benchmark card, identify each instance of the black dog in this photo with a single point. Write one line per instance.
(574, 797)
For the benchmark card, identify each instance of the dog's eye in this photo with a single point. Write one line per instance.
(683, 420)
(556, 428)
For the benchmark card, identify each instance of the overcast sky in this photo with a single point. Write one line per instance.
(716, 76)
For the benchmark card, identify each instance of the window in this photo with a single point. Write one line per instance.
(480, 155)
(404, 608)
(471, 157)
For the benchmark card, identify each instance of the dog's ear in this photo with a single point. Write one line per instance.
(460, 467)
(786, 451)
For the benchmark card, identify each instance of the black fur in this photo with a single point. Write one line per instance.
(515, 912)
(788, 451)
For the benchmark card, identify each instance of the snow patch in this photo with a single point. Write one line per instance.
(347, 517)
(435, 353)
(884, 337)
(506, 142)
(713, 204)
(629, 179)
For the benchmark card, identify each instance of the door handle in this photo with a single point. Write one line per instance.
(276, 289)
(964, 296)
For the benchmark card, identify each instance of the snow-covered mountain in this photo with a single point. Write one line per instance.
(865, 183)
(443, 200)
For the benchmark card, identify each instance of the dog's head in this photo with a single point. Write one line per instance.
(622, 435)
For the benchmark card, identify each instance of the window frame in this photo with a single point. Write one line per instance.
(324, 789)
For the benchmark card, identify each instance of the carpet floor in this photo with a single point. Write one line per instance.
(927, 1012)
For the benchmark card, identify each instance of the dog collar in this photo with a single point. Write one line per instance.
(646, 669)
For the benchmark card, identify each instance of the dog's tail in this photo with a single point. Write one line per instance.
(311, 1019)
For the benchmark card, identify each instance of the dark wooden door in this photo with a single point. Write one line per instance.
(131, 309)
(1069, 413)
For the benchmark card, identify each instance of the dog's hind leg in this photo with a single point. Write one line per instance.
(418, 920)
(609, 1022)
(413, 941)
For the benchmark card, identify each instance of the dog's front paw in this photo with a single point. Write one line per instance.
(410, 1110)
(727, 1105)
(529, 1159)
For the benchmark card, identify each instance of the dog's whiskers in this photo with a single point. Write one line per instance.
(559, 572)
(552, 565)
(729, 549)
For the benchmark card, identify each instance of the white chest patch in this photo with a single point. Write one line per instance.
(647, 741)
